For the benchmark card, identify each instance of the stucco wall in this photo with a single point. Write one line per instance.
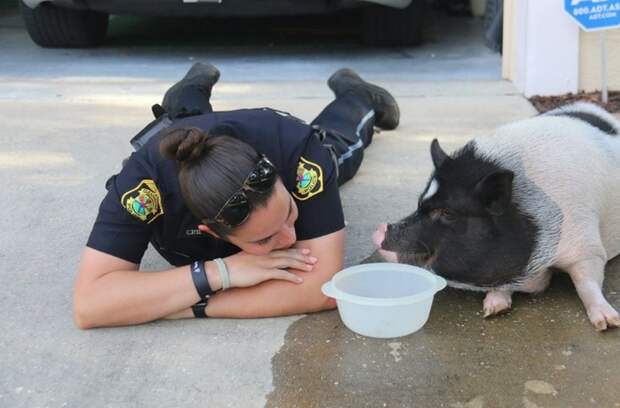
(541, 48)
(508, 61)
(590, 60)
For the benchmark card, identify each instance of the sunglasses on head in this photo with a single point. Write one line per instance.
(237, 208)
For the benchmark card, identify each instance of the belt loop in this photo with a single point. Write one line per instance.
(322, 135)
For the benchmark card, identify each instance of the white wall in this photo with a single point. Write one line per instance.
(543, 47)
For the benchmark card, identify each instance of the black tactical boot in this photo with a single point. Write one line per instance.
(190, 96)
(386, 109)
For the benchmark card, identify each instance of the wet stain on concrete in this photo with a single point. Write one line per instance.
(540, 387)
(543, 353)
(477, 402)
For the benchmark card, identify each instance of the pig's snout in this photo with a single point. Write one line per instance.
(378, 237)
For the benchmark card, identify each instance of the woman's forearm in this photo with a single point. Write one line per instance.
(132, 297)
(269, 299)
(112, 292)
(273, 298)
(279, 298)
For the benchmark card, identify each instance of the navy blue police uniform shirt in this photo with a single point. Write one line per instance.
(144, 202)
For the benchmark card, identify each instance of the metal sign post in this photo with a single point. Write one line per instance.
(603, 67)
(592, 15)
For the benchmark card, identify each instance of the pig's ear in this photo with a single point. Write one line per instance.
(495, 191)
(438, 155)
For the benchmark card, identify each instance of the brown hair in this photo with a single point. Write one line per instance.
(211, 169)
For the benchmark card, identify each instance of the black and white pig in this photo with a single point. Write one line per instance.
(536, 194)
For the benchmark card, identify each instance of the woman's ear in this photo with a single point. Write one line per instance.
(205, 229)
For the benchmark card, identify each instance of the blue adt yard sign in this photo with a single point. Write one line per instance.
(594, 14)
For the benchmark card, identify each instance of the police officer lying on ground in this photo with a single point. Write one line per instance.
(245, 203)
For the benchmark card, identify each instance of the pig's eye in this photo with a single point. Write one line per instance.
(435, 214)
(448, 216)
(443, 214)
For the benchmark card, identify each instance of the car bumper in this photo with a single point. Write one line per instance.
(215, 8)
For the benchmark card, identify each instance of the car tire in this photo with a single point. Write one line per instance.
(390, 26)
(53, 26)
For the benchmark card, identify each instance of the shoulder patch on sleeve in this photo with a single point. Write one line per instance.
(143, 201)
(309, 179)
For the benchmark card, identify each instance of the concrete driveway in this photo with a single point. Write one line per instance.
(66, 119)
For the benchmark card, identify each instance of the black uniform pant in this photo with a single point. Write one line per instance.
(345, 126)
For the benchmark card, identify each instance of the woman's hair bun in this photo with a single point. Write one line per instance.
(185, 145)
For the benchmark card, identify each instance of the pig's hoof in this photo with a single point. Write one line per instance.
(603, 317)
(494, 311)
(496, 303)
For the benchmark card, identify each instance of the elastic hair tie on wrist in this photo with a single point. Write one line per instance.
(224, 275)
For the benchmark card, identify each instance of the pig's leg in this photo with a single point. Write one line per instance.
(496, 301)
(587, 275)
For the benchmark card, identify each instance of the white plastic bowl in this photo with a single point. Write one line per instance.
(384, 299)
